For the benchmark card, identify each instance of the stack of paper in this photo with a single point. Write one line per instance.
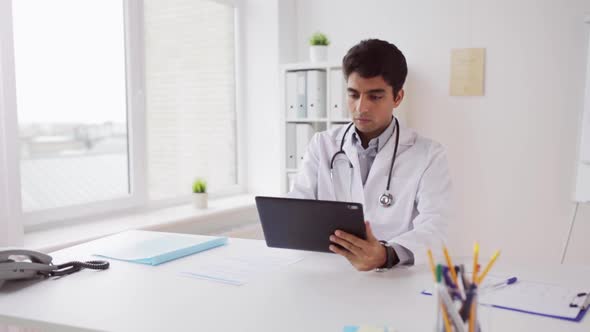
(239, 268)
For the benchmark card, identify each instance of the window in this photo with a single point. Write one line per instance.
(71, 102)
(118, 104)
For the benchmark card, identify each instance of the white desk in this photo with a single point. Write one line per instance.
(320, 293)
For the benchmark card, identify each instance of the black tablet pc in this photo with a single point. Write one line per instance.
(307, 224)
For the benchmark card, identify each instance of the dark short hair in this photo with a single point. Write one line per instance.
(374, 57)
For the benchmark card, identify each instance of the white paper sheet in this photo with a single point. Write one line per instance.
(239, 268)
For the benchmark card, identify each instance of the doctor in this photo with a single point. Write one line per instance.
(401, 178)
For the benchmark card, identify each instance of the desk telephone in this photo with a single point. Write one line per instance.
(16, 264)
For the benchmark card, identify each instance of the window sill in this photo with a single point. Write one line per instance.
(184, 218)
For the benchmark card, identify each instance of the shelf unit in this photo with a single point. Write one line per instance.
(334, 110)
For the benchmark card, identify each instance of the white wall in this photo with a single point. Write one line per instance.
(287, 20)
(512, 152)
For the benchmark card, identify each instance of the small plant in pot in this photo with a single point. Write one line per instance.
(200, 193)
(318, 47)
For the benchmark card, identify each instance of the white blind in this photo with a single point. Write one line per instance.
(190, 96)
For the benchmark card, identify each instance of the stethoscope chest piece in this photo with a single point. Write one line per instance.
(386, 199)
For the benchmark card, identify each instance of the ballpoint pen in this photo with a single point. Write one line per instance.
(461, 283)
(447, 278)
(502, 283)
(443, 308)
(466, 283)
(465, 309)
(451, 287)
(453, 314)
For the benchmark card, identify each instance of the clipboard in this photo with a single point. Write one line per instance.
(535, 298)
(585, 296)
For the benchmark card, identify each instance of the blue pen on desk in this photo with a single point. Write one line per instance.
(503, 283)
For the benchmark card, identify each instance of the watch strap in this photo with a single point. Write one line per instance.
(391, 257)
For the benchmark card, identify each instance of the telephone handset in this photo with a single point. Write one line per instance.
(18, 264)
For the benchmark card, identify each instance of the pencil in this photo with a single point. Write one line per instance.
(431, 262)
(472, 318)
(475, 253)
(450, 265)
(488, 267)
(445, 317)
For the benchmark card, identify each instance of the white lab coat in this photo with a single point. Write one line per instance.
(420, 185)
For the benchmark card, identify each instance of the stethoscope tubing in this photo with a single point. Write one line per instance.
(393, 158)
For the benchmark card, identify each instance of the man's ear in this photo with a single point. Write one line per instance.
(398, 98)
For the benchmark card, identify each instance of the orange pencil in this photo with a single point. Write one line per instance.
(445, 318)
(431, 262)
(472, 317)
(450, 265)
(488, 267)
(475, 254)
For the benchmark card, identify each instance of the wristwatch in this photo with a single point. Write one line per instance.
(391, 259)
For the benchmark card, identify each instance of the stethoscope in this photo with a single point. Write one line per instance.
(386, 199)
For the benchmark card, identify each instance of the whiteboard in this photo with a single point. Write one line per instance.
(582, 193)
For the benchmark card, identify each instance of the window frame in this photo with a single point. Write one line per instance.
(138, 200)
(9, 212)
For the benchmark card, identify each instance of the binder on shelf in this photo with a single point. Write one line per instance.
(291, 94)
(316, 94)
(290, 140)
(303, 133)
(291, 180)
(301, 94)
(338, 107)
(154, 248)
(318, 127)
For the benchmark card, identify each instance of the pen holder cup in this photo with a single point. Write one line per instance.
(456, 313)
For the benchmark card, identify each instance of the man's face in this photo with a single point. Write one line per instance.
(371, 102)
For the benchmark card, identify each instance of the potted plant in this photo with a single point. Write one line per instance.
(318, 47)
(200, 193)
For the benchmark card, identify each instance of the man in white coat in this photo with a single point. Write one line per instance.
(401, 178)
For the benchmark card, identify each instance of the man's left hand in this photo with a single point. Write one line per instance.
(364, 255)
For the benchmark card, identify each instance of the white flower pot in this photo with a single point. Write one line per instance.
(200, 200)
(318, 53)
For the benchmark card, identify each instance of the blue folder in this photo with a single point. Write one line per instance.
(353, 328)
(154, 248)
